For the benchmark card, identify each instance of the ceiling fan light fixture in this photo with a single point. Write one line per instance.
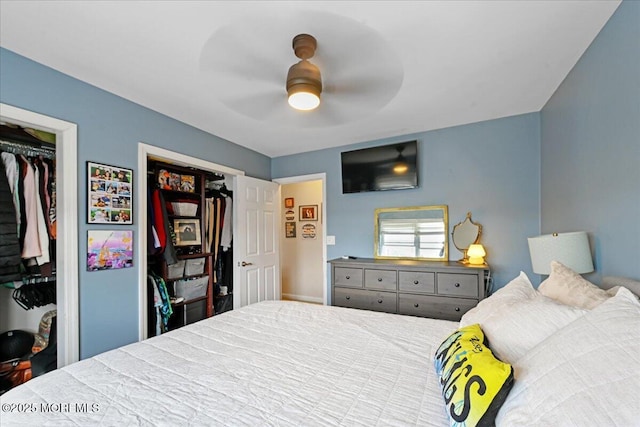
(303, 100)
(400, 168)
(304, 82)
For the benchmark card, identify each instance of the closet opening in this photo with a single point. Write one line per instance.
(28, 235)
(189, 245)
(66, 160)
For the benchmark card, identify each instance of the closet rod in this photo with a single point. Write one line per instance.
(32, 280)
(16, 148)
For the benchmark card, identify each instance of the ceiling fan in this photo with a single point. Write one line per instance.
(251, 72)
(304, 82)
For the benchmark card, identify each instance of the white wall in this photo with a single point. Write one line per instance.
(13, 317)
(301, 259)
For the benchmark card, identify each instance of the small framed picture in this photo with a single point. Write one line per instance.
(187, 232)
(288, 202)
(109, 194)
(109, 249)
(290, 229)
(309, 213)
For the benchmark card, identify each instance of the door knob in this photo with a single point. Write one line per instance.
(244, 263)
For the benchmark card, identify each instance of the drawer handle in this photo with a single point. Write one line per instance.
(379, 279)
(348, 277)
(415, 282)
(457, 308)
(348, 297)
(457, 285)
(379, 300)
(416, 305)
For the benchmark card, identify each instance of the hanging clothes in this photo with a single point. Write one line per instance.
(161, 302)
(30, 181)
(31, 243)
(227, 226)
(9, 243)
(161, 225)
(219, 231)
(12, 173)
(43, 230)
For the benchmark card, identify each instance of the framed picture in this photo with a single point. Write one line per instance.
(109, 194)
(109, 249)
(187, 231)
(290, 229)
(309, 231)
(309, 213)
(288, 202)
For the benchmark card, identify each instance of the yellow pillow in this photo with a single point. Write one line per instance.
(474, 383)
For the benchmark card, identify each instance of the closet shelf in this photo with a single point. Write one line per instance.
(181, 193)
(192, 276)
(183, 216)
(189, 256)
(181, 303)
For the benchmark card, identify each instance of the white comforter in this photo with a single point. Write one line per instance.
(272, 363)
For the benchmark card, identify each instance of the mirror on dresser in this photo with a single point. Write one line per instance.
(465, 234)
(419, 232)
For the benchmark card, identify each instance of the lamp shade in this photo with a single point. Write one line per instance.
(570, 249)
(476, 254)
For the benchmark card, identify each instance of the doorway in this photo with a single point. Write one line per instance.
(146, 152)
(68, 340)
(303, 261)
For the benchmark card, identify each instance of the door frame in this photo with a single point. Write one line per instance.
(67, 302)
(144, 152)
(315, 177)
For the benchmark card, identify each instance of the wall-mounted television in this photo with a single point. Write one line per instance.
(388, 167)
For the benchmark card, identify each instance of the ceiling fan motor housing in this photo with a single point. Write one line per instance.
(304, 46)
(304, 76)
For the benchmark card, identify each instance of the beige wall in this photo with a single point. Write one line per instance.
(301, 259)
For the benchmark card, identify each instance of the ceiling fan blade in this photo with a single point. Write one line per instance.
(231, 55)
(267, 105)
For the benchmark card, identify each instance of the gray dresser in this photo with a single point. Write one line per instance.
(437, 289)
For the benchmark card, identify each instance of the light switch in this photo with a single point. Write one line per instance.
(331, 240)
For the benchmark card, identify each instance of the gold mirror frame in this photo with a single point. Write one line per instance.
(466, 231)
(405, 216)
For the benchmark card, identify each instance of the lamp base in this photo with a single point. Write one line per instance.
(476, 260)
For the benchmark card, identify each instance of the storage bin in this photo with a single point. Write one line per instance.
(176, 271)
(191, 289)
(184, 208)
(194, 266)
(195, 312)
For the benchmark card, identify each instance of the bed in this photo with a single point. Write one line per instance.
(297, 364)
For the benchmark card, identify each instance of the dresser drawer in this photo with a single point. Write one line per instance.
(380, 279)
(416, 281)
(367, 300)
(463, 285)
(351, 277)
(434, 306)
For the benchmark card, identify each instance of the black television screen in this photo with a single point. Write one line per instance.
(389, 167)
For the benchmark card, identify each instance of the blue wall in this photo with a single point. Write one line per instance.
(109, 129)
(489, 168)
(574, 166)
(590, 148)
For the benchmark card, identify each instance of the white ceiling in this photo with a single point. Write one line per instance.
(389, 68)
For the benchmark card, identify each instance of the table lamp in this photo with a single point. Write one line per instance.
(570, 249)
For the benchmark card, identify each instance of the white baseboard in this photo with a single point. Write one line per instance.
(302, 298)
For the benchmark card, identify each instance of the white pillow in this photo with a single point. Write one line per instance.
(587, 374)
(517, 317)
(568, 287)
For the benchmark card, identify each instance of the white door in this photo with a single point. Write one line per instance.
(256, 250)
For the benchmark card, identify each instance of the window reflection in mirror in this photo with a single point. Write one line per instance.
(419, 232)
